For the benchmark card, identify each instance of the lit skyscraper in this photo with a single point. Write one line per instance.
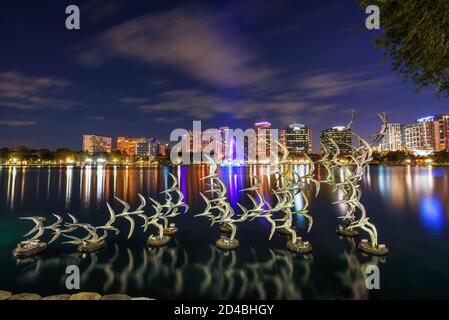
(299, 139)
(341, 136)
(263, 140)
(96, 144)
(128, 145)
(442, 132)
(392, 140)
(412, 136)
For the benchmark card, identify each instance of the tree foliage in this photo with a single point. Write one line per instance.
(415, 39)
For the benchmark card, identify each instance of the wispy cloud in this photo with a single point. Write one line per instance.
(96, 118)
(200, 105)
(328, 84)
(17, 123)
(25, 92)
(188, 39)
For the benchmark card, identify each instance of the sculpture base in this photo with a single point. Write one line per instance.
(170, 231)
(91, 246)
(159, 241)
(346, 232)
(299, 246)
(284, 231)
(367, 247)
(227, 244)
(29, 248)
(225, 228)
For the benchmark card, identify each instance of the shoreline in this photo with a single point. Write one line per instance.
(7, 295)
(189, 165)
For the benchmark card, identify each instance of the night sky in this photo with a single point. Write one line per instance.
(144, 68)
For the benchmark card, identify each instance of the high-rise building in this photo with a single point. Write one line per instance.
(163, 149)
(95, 144)
(226, 152)
(442, 132)
(263, 140)
(128, 145)
(428, 129)
(283, 137)
(299, 139)
(392, 140)
(435, 132)
(154, 149)
(341, 136)
(142, 149)
(412, 136)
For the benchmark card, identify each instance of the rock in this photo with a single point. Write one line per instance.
(115, 297)
(85, 296)
(5, 295)
(141, 298)
(25, 296)
(57, 297)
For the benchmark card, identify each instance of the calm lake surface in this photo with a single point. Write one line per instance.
(409, 205)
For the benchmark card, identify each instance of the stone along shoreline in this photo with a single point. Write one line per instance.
(6, 295)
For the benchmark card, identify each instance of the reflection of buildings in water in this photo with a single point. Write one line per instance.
(418, 192)
(100, 185)
(431, 212)
(68, 186)
(354, 276)
(86, 183)
(22, 189)
(12, 173)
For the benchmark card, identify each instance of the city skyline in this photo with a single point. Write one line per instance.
(224, 64)
(425, 135)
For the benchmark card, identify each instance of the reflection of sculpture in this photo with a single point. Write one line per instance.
(35, 245)
(352, 174)
(224, 278)
(354, 276)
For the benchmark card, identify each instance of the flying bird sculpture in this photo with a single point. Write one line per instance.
(34, 245)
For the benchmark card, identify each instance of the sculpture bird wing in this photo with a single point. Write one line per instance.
(124, 203)
(39, 227)
(132, 225)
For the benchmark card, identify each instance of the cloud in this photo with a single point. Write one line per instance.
(167, 120)
(328, 84)
(25, 92)
(175, 105)
(17, 123)
(188, 39)
(96, 118)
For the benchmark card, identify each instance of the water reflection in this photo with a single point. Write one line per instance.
(432, 213)
(354, 276)
(282, 275)
(408, 202)
(407, 189)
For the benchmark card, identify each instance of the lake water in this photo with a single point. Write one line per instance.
(409, 205)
